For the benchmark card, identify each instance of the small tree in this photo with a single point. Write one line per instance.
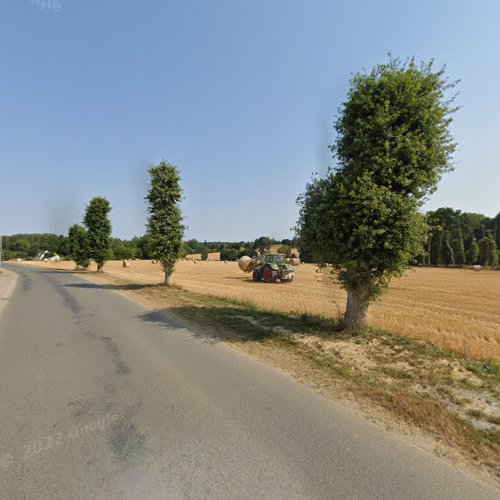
(228, 254)
(78, 245)
(286, 250)
(393, 144)
(98, 227)
(459, 249)
(448, 258)
(262, 245)
(488, 250)
(165, 228)
(473, 253)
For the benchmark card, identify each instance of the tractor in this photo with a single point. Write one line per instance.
(269, 268)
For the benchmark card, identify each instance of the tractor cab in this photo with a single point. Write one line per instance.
(275, 258)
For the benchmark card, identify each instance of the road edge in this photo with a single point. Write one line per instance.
(8, 282)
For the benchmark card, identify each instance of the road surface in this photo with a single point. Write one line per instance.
(102, 398)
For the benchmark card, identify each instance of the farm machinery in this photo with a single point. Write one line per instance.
(269, 267)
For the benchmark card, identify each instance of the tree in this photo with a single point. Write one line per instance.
(165, 228)
(393, 145)
(78, 247)
(228, 254)
(488, 250)
(459, 248)
(245, 250)
(448, 254)
(473, 253)
(286, 250)
(98, 227)
(262, 245)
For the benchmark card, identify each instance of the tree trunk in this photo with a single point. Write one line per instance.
(356, 313)
(168, 278)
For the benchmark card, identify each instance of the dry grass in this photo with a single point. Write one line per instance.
(458, 309)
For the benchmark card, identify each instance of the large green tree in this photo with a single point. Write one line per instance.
(98, 226)
(78, 245)
(165, 227)
(393, 145)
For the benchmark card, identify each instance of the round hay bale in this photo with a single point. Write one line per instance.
(245, 264)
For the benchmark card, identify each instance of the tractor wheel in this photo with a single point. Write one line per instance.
(256, 276)
(267, 273)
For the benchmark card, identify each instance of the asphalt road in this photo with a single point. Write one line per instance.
(101, 398)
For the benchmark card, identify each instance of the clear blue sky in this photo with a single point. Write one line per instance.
(241, 95)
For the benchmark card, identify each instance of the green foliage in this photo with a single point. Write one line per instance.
(228, 254)
(447, 253)
(262, 245)
(78, 247)
(285, 249)
(165, 228)
(462, 229)
(204, 254)
(473, 253)
(245, 250)
(459, 249)
(488, 250)
(393, 145)
(98, 226)
(29, 245)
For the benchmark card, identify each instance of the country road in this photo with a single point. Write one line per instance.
(102, 398)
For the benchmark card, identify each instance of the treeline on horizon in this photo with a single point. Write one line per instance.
(455, 238)
(29, 246)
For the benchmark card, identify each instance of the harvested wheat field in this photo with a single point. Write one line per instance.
(455, 308)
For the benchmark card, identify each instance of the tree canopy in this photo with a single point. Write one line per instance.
(78, 245)
(165, 227)
(98, 226)
(393, 145)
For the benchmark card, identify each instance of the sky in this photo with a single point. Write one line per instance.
(241, 95)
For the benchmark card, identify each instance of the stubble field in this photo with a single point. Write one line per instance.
(454, 308)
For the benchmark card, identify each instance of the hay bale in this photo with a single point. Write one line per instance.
(245, 264)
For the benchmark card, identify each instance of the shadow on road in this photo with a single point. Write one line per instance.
(240, 324)
(128, 286)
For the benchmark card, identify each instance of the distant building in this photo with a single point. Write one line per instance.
(43, 256)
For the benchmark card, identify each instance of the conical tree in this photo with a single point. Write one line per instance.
(98, 227)
(78, 246)
(165, 228)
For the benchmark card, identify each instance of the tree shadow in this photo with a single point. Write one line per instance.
(241, 324)
(127, 286)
